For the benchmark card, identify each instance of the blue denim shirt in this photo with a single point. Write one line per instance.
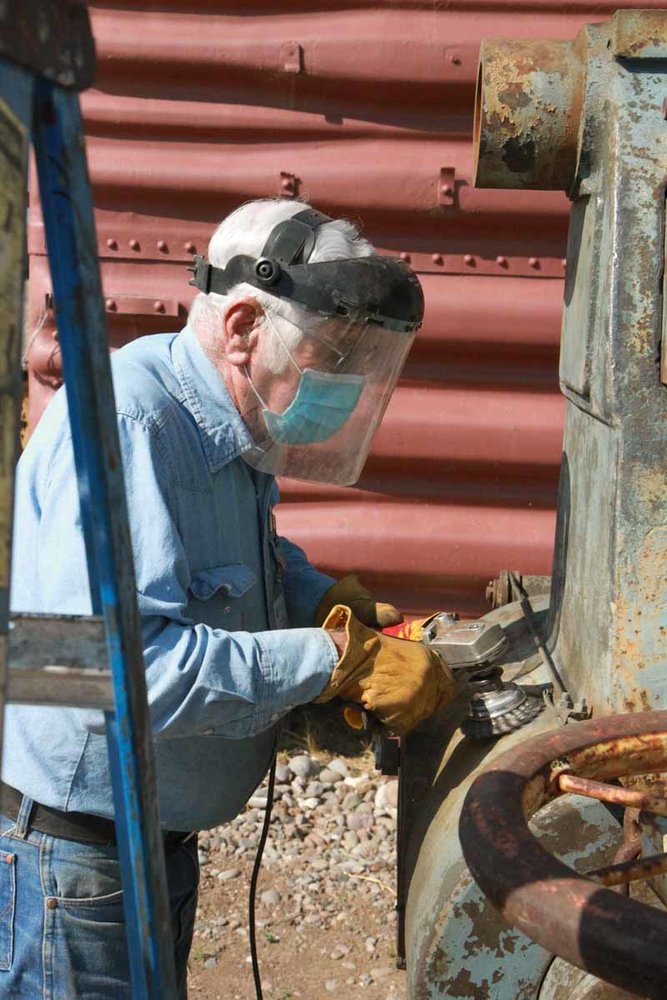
(226, 606)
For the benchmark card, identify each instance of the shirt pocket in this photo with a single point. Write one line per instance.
(219, 594)
(7, 908)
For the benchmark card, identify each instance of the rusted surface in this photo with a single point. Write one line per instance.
(527, 110)
(49, 37)
(607, 934)
(640, 34)
(631, 871)
(626, 797)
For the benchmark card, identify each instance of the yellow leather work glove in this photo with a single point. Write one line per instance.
(361, 602)
(399, 681)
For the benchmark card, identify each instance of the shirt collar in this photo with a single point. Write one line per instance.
(223, 434)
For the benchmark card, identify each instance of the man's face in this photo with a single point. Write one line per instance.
(314, 350)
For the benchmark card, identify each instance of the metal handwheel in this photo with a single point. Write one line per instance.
(577, 917)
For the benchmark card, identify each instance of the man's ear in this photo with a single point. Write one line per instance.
(240, 333)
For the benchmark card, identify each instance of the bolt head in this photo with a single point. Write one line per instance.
(158, 306)
(405, 256)
(134, 244)
(189, 247)
(112, 244)
(468, 259)
(533, 262)
(162, 246)
(110, 305)
(437, 258)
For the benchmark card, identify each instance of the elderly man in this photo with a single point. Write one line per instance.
(291, 352)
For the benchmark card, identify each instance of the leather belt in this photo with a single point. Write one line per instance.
(82, 827)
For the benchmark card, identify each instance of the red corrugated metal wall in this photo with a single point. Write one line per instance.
(364, 108)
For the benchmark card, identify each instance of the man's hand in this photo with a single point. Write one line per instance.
(360, 601)
(399, 681)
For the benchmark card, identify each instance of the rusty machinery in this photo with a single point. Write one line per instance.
(587, 117)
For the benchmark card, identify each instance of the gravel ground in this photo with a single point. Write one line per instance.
(325, 905)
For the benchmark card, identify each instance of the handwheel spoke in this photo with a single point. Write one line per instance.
(630, 871)
(628, 797)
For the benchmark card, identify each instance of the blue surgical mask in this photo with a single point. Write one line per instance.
(321, 405)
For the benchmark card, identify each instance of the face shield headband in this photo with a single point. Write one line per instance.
(379, 290)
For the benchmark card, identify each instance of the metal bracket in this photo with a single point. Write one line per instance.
(291, 57)
(447, 187)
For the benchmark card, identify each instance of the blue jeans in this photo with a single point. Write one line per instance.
(62, 928)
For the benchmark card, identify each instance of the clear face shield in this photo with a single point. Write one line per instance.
(326, 405)
(315, 419)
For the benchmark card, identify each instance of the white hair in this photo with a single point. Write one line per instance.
(246, 231)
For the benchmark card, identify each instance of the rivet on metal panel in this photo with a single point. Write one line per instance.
(291, 57)
(134, 245)
(288, 184)
(162, 246)
(112, 244)
(190, 247)
(454, 57)
(563, 262)
(501, 261)
(158, 306)
(436, 258)
(405, 256)
(447, 187)
(534, 263)
(110, 305)
(469, 260)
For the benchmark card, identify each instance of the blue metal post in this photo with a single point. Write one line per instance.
(72, 246)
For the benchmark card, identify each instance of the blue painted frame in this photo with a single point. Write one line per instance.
(72, 246)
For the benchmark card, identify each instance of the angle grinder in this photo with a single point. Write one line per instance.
(496, 706)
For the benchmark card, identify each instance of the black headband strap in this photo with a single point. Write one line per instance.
(292, 241)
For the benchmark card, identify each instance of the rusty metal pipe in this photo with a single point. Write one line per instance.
(527, 112)
(631, 871)
(610, 935)
(627, 797)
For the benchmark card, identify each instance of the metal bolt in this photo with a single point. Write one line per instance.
(158, 306)
(468, 259)
(455, 59)
(134, 245)
(501, 261)
(112, 244)
(437, 258)
(533, 262)
(447, 190)
(110, 305)
(287, 184)
(405, 256)
(162, 246)
(564, 263)
(189, 247)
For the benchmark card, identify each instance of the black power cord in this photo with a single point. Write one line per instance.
(255, 876)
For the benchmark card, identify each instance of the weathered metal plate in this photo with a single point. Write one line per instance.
(67, 641)
(640, 34)
(49, 37)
